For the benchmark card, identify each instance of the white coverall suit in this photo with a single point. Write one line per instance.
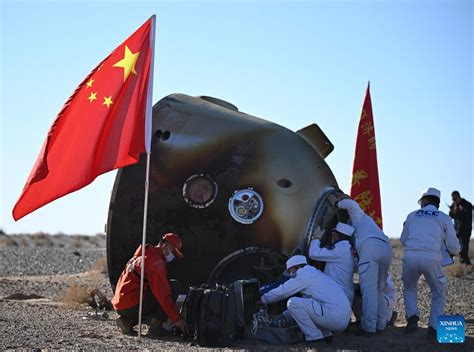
(340, 264)
(425, 232)
(323, 308)
(390, 294)
(375, 256)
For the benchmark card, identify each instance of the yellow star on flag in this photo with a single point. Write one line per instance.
(108, 101)
(92, 97)
(89, 84)
(128, 62)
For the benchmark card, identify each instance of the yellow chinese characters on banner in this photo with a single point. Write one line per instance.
(365, 187)
(358, 176)
(365, 201)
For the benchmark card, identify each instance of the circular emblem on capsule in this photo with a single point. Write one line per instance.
(246, 206)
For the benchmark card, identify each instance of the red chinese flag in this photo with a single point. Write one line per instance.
(365, 177)
(104, 125)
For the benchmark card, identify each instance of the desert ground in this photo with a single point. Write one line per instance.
(46, 281)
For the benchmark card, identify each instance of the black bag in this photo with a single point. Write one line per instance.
(247, 294)
(217, 326)
(191, 309)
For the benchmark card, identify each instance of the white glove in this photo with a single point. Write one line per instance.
(318, 232)
(353, 208)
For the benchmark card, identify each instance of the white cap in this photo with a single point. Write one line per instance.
(430, 192)
(345, 229)
(296, 260)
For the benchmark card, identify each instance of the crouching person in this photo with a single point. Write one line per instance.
(324, 307)
(340, 263)
(159, 293)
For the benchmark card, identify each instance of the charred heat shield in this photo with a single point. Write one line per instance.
(244, 193)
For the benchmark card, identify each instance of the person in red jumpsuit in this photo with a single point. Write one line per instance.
(159, 293)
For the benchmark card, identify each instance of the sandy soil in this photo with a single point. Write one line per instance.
(59, 270)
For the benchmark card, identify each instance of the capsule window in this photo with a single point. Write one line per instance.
(200, 191)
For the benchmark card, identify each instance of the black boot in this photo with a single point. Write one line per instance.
(156, 329)
(126, 325)
(431, 334)
(392, 319)
(412, 325)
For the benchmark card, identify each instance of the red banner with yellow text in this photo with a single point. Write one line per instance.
(365, 187)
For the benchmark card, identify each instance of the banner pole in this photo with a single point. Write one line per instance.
(145, 216)
(148, 128)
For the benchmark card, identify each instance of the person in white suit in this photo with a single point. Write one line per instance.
(390, 296)
(322, 309)
(338, 258)
(426, 233)
(375, 255)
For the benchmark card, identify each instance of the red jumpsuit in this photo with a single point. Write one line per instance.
(127, 292)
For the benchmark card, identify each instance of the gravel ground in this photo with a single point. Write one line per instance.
(47, 261)
(46, 323)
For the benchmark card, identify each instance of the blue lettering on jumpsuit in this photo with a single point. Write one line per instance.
(427, 213)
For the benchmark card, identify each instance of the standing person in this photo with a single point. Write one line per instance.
(340, 262)
(159, 293)
(425, 232)
(324, 306)
(461, 212)
(375, 255)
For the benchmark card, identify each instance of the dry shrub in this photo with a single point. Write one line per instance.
(458, 270)
(6, 240)
(100, 265)
(75, 295)
(93, 278)
(98, 240)
(76, 241)
(39, 235)
(78, 291)
(41, 239)
(396, 243)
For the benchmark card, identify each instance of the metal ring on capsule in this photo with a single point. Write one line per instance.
(246, 206)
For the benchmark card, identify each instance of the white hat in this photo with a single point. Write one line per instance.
(345, 229)
(296, 260)
(431, 192)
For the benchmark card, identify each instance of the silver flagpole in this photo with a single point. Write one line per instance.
(148, 128)
(142, 274)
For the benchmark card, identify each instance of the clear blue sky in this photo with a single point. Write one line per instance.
(291, 63)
